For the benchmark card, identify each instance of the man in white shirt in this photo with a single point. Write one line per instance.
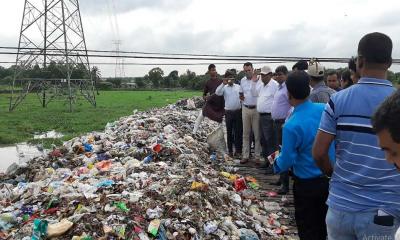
(233, 112)
(265, 90)
(250, 116)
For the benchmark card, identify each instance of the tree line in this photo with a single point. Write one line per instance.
(154, 79)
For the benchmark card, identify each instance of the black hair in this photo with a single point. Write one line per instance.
(211, 66)
(229, 74)
(387, 117)
(376, 48)
(317, 79)
(298, 84)
(332, 72)
(283, 69)
(248, 64)
(352, 64)
(300, 65)
(346, 75)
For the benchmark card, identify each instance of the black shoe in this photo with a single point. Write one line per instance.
(283, 191)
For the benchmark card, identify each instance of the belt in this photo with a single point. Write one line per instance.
(250, 106)
(265, 114)
(279, 121)
(310, 180)
(233, 110)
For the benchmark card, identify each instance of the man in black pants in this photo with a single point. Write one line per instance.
(279, 112)
(310, 188)
(233, 113)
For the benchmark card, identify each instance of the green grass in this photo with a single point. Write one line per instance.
(29, 117)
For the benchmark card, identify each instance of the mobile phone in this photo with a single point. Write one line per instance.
(384, 220)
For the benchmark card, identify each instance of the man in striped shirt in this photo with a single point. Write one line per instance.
(364, 196)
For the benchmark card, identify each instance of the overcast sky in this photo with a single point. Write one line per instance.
(254, 27)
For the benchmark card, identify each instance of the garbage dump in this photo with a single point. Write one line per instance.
(145, 177)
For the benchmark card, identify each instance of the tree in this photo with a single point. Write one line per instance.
(186, 80)
(156, 76)
(140, 82)
(116, 82)
(239, 76)
(172, 79)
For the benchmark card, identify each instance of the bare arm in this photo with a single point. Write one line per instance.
(320, 151)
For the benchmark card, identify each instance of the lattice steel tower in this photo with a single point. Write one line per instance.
(52, 37)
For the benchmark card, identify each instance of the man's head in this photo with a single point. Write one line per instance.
(248, 69)
(333, 80)
(316, 72)
(281, 73)
(353, 69)
(266, 74)
(386, 125)
(212, 70)
(229, 77)
(300, 66)
(374, 55)
(346, 80)
(298, 87)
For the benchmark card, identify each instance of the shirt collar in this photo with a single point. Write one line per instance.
(302, 106)
(375, 81)
(320, 84)
(282, 85)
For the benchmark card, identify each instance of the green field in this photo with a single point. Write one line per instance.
(29, 117)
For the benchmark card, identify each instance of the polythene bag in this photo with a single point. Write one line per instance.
(216, 140)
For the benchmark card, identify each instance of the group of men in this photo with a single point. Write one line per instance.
(339, 139)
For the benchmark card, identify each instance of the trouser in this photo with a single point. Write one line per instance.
(234, 129)
(278, 125)
(267, 136)
(251, 121)
(199, 119)
(310, 196)
(360, 225)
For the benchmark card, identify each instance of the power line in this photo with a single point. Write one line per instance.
(169, 64)
(175, 56)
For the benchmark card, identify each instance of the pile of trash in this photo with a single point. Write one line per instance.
(145, 177)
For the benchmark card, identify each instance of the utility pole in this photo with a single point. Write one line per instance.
(52, 34)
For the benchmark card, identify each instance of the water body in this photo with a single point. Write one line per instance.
(19, 153)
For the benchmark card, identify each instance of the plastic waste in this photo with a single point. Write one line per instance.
(121, 206)
(148, 159)
(88, 147)
(247, 234)
(103, 165)
(210, 227)
(153, 227)
(105, 183)
(39, 231)
(58, 229)
(199, 186)
(157, 148)
(240, 184)
(154, 213)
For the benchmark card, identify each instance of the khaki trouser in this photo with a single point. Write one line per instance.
(251, 121)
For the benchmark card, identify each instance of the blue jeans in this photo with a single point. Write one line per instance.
(343, 225)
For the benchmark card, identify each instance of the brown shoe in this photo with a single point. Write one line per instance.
(244, 160)
(258, 162)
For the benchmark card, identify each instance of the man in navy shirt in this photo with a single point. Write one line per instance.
(310, 186)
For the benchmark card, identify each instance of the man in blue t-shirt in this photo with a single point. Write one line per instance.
(364, 194)
(310, 187)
